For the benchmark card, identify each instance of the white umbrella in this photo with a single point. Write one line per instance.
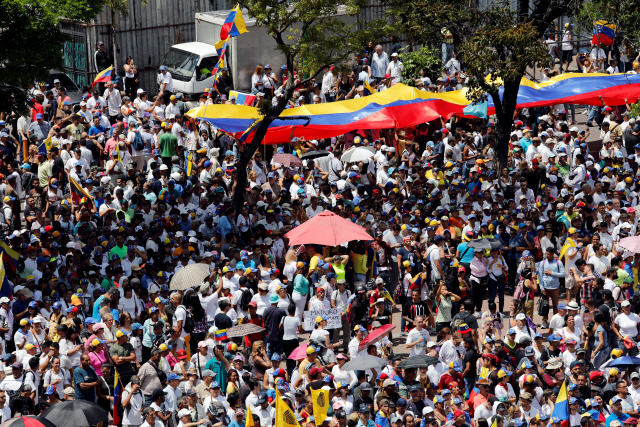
(359, 154)
(189, 277)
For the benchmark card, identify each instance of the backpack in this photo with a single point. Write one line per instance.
(189, 323)
(459, 321)
(245, 299)
(15, 394)
(138, 142)
(520, 294)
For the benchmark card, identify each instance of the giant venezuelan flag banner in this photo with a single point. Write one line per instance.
(402, 106)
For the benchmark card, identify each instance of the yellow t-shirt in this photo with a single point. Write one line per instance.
(313, 262)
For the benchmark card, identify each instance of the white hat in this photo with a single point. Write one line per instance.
(521, 316)
(171, 116)
(164, 167)
(431, 344)
(574, 129)
(105, 180)
(394, 54)
(427, 410)
(184, 413)
(140, 90)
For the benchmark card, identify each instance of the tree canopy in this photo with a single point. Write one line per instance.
(31, 42)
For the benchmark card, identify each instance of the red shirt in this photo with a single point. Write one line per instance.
(447, 379)
(251, 338)
(37, 108)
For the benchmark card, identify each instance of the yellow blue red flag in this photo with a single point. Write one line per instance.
(234, 24)
(103, 76)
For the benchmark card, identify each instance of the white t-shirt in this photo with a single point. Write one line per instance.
(166, 78)
(628, 324)
(132, 415)
(415, 335)
(180, 314)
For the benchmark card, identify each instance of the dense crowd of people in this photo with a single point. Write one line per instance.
(102, 207)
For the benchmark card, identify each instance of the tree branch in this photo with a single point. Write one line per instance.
(307, 80)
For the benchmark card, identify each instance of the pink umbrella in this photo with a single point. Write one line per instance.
(632, 244)
(299, 353)
(327, 229)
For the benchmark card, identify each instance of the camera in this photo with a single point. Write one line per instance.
(590, 326)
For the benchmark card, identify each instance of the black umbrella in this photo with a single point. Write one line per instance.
(479, 244)
(75, 413)
(28, 421)
(418, 362)
(314, 154)
(495, 243)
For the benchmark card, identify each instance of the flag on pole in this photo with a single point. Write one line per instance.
(103, 76)
(248, 422)
(368, 90)
(251, 129)
(234, 24)
(561, 408)
(320, 400)
(189, 155)
(9, 256)
(284, 415)
(117, 399)
(77, 191)
(603, 33)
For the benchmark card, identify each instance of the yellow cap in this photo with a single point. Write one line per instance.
(448, 165)
(172, 97)
(163, 347)
(395, 190)
(120, 333)
(247, 271)
(319, 319)
(441, 182)
(572, 230)
(310, 350)
(232, 346)
(157, 300)
(24, 322)
(404, 226)
(614, 371)
(434, 223)
(29, 346)
(628, 180)
(296, 177)
(95, 342)
(225, 270)
(616, 352)
(406, 264)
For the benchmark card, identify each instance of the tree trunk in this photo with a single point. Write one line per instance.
(251, 148)
(505, 107)
(114, 50)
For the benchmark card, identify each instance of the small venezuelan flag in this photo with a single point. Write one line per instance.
(103, 76)
(234, 24)
(220, 335)
(603, 33)
(368, 90)
(561, 408)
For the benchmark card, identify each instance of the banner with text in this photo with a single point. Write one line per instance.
(333, 318)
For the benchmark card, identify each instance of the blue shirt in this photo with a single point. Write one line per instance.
(80, 375)
(557, 272)
(468, 256)
(614, 417)
(96, 130)
(96, 309)
(218, 368)
(524, 144)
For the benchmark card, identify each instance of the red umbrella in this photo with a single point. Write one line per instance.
(299, 353)
(375, 336)
(327, 229)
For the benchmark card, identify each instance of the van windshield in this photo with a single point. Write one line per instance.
(180, 63)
